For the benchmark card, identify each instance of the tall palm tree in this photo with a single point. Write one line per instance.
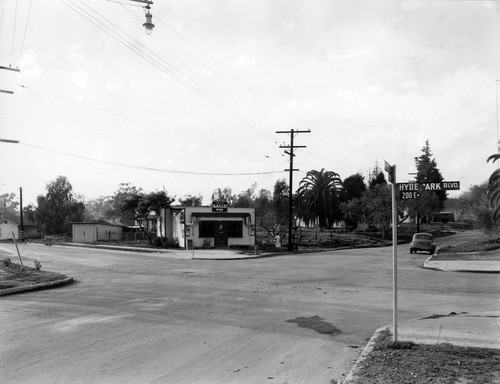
(494, 189)
(319, 197)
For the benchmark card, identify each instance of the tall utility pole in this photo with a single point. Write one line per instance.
(290, 152)
(21, 210)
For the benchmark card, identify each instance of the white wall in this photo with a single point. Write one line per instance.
(6, 229)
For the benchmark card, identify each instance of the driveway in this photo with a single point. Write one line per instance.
(152, 318)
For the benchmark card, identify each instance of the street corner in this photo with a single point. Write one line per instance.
(481, 329)
(462, 265)
(35, 287)
(351, 377)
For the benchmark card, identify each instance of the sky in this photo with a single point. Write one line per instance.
(196, 105)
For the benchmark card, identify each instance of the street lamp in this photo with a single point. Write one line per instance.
(148, 25)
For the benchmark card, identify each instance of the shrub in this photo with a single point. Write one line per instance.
(157, 242)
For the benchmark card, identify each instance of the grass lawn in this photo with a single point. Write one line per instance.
(406, 362)
(13, 276)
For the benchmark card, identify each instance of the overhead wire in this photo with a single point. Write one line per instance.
(160, 63)
(25, 30)
(149, 168)
(242, 83)
(1, 18)
(14, 33)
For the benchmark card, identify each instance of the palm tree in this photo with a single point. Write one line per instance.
(319, 197)
(494, 189)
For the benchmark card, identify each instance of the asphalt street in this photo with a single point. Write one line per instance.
(154, 318)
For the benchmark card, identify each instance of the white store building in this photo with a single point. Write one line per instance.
(215, 226)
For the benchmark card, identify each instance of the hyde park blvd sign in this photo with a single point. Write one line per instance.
(412, 190)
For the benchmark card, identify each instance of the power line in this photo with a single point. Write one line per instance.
(25, 29)
(138, 166)
(167, 67)
(14, 33)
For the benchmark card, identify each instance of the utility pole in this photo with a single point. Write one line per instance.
(21, 210)
(290, 152)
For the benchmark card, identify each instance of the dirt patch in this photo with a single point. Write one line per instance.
(406, 362)
(317, 324)
(13, 276)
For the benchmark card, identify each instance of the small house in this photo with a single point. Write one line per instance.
(10, 224)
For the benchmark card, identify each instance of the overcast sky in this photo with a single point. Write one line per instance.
(102, 103)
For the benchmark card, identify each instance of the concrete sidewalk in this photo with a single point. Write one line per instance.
(481, 330)
(177, 253)
(457, 264)
(463, 265)
(464, 329)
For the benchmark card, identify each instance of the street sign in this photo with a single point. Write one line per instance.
(390, 172)
(412, 190)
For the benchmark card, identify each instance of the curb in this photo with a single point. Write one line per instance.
(366, 351)
(112, 248)
(11, 291)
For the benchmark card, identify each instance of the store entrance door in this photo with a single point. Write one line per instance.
(220, 235)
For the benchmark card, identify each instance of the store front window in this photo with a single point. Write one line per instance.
(208, 228)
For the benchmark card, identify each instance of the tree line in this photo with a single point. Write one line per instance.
(322, 200)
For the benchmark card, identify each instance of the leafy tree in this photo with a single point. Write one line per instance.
(265, 213)
(427, 172)
(246, 198)
(97, 209)
(352, 212)
(191, 201)
(272, 209)
(133, 204)
(281, 205)
(319, 197)
(377, 205)
(376, 177)
(30, 213)
(124, 192)
(8, 201)
(263, 202)
(58, 208)
(227, 194)
(354, 186)
(474, 206)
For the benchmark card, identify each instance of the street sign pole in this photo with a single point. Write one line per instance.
(391, 170)
(394, 258)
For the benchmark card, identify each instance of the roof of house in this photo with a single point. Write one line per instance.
(9, 216)
(13, 218)
(97, 223)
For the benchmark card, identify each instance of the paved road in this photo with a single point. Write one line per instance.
(150, 318)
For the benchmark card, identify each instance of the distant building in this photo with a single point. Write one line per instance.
(10, 223)
(215, 226)
(94, 232)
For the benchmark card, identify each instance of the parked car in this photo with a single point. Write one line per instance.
(422, 242)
